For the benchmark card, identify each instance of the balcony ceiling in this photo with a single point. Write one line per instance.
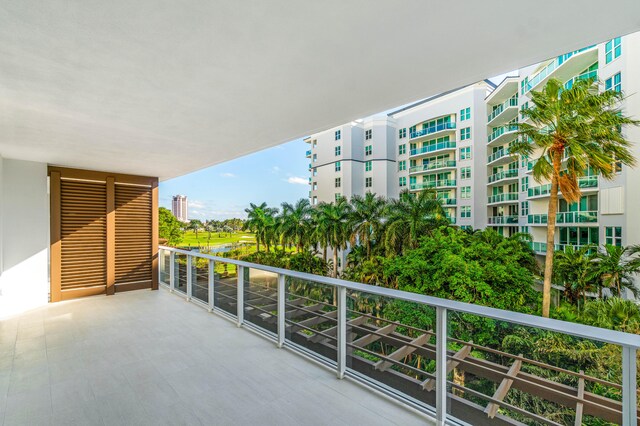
(166, 88)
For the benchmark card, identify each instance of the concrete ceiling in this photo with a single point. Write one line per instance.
(164, 88)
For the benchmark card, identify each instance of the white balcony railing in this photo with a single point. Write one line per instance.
(322, 318)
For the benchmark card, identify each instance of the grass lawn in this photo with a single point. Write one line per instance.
(216, 238)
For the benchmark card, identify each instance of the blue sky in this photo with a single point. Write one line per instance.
(274, 175)
(219, 192)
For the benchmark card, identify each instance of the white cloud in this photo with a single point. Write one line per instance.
(298, 180)
(227, 175)
(195, 204)
(275, 170)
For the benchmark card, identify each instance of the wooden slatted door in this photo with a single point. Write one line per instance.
(133, 269)
(104, 233)
(84, 238)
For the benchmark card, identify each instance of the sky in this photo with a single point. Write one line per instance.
(274, 175)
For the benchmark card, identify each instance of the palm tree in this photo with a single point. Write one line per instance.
(261, 221)
(195, 225)
(208, 227)
(574, 269)
(295, 223)
(367, 218)
(613, 313)
(320, 234)
(411, 216)
(579, 124)
(336, 226)
(616, 266)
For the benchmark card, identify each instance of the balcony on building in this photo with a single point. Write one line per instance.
(502, 220)
(500, 157)
(563, 68)
(503, 177)
(433, 128)
(503, 198)
(585, 183)
(435, 148)
(435, 184)
(502, 134)
(433, 166)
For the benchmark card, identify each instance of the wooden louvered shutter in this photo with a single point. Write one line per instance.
(83, 238)
(133, 242)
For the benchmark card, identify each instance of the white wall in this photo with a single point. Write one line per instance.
(24, 236)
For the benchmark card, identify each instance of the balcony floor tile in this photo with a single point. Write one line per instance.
(149, 357)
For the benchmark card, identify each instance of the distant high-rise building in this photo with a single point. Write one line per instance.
(179, 208)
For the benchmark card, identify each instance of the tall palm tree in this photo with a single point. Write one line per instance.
(582, 125)
(335, 219)
(616, 266)
(320, 234)
(295, 223)
(613, 313)
(574, 269)
(367, 217)
(411, 216)
(261, 221)
(195, 225)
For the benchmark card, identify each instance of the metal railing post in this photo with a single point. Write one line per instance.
(629, 407)
(281, 310)
(441, 365)
(211, 281)
(342, 331)
(172, 271)
(240, 296)
(189, 278)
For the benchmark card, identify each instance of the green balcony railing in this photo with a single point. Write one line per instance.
(434, 147)
(499, 131)
(565, 217)
(500, 220)
(308, 153)
(433, 129)
(499, 198)
(511, 102)
(498, 154)
(541, 248)
(442, 183)
(503, 175)
(550, 68)
(448, 201)
(433, 165)
(544, 190)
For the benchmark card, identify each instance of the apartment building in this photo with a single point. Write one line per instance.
(458, 143)
(180, 208)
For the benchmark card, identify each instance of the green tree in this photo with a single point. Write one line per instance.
(169, 228)
(411, 216)
(616, 267)
(334, 222)
(195, 225)
(295, 223)
(261, 221)
(574, 269)
(582, 125)
(613, 313)
(366, 217)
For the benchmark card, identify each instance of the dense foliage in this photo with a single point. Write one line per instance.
(169, 228)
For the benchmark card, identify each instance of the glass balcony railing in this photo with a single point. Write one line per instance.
(550, 68)
(448, 201)
(434, 147)
(511, 102)
(541, 248)
(309, 166)
(442, 183)
(502, 220)
(513, 173)
(500, 198)
(433, 165)
(499, 131)
(308, 153)
(545, 190)
(565, 217)
(498, 154)
(409, 356)
(451, 219)
(433, 129)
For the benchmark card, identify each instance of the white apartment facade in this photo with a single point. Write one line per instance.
(458, 143)
(180, 208)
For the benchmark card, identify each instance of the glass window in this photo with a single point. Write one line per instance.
(465, 114)
(465, 173)
(338, 182)
(367, 134)
(612, 49)
(368, 182)
(465, 211)
(402, 165)
(402, 149)
(402, 133)
(614, 83)
(465, 133)
(465, 192)
(402, 181)
(315, 157)
(338, 166)
(465, 153)
(524, 184)
(337, 150)
(338, 135)
(524, 208)
(338, 196)
(368, 150)
(367, 166)
(315, 171)
(613, 235)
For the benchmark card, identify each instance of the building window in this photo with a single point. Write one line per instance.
(315, 201)
(402, 149)
(367, 134)
(402, 133)
(315, 185)
(465, 192)
(465, 133)
(337, 150)
(338, 196)
(338, 135)
(402, 165)
(524, 229)
(613, 83)
(403, 181)
(612, 49)
(315, 157)
(525, 106)
(338, 182)
(613, 235)
(315, 171)
(338, 166)
(368, 150)
(524, 208)
(368, 182)
(465, 153)
(465, 173)
(524, 184)
(465, 211)
(465, 114)
(367, 166)
(315, 143)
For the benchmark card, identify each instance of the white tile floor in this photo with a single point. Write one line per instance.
(149, 357)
